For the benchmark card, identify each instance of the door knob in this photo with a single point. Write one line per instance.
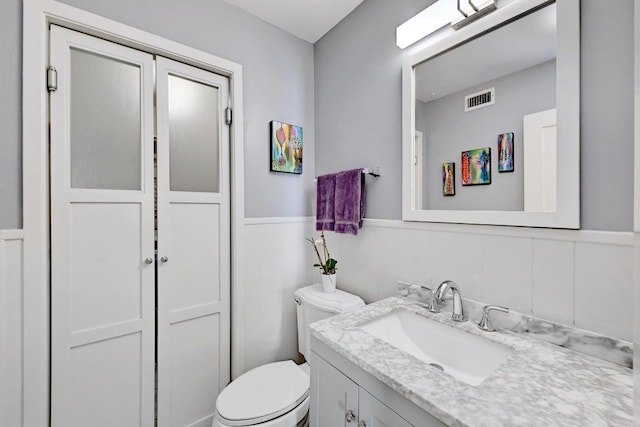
(164, 259)
(350, 416)
(148, 261)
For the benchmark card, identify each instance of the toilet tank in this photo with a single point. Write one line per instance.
(314, 304)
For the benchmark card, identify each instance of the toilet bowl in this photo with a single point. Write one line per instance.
(271, 395)
(277, 394)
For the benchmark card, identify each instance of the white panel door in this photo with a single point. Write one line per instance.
(540, 161)
(418, 170)
(102, 270)
(333, 396)
(193, 243)
(374, 413)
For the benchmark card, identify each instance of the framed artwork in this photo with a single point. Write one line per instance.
(476, 166)
(448, 179)
(505, 152)
(286, 148)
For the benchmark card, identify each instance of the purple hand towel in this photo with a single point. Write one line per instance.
(349, 201)
(325, 202)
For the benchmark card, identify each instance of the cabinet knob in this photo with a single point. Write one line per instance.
(350, 416)
(148, 261)
(362, 423)
(164, 259)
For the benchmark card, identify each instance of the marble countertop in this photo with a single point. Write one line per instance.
(539, 384)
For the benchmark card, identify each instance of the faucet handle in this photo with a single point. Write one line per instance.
(485, 322)
(432, 303)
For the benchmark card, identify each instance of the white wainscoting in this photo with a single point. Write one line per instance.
(636, 339)
(581, 278)
(277, 261)
(575, 277)
(11, 340)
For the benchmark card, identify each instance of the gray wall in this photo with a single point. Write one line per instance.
(278, 85)
(448, 130)
(607, 115)
(10, 114)
(358, 110)
(358, 99)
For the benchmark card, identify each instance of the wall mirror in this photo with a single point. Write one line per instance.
(491, 120)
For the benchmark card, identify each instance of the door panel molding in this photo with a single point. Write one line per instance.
(104, 333)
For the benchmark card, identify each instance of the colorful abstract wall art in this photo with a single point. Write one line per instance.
(286, 148)
(448, 179)
(476, 166)
(505, 152)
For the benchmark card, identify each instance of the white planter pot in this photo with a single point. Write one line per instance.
(328, 282)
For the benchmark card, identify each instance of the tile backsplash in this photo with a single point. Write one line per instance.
(578, 278)
(603, 347)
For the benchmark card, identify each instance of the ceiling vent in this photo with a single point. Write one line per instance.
(484, 98)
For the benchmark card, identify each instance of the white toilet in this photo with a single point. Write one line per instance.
(277, 394)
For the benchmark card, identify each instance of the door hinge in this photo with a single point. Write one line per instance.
(52, 79)
(228, 115)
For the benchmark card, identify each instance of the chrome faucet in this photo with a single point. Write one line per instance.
(458, 311)
(485, 322)
(431, 303)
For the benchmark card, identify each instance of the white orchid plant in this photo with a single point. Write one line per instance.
(326, 264)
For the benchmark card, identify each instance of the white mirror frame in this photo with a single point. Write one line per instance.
(567, 214)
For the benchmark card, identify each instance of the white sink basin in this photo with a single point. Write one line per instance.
(467, 357)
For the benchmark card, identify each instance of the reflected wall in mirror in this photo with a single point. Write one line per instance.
(514, 75)
(518, 82)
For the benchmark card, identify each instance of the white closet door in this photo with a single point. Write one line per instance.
(193, 243)
(102, 290)
(540, 161)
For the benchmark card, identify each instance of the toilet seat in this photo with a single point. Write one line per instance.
(262, 394)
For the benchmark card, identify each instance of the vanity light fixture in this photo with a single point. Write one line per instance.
(441, 13)
(478, 12)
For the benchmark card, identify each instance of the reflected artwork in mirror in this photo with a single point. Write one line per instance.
(509, 82)
(505, 152)
(449, 179)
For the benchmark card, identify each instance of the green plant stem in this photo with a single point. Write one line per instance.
(324, 246)
(324, 267)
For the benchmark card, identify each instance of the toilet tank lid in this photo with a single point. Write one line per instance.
(335, 302)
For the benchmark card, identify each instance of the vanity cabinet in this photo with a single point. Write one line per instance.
(342, 394)
(338, 401)
(374, 413)
(333, 396)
